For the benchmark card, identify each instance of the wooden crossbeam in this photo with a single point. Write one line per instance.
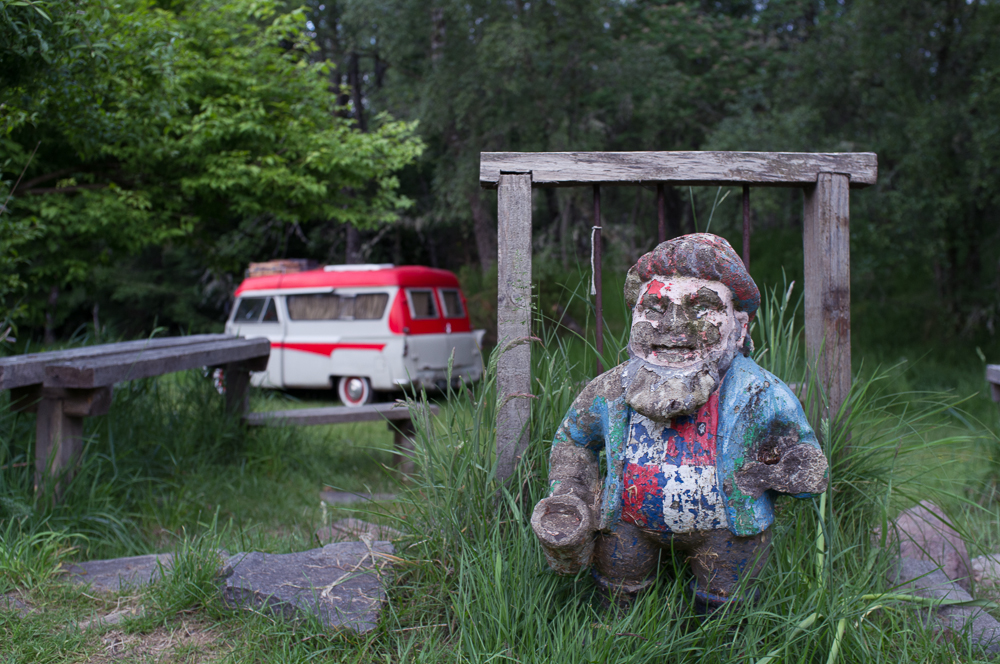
(334, 415)
(774, 169)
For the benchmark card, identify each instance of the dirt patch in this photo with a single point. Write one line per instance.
(191, 642)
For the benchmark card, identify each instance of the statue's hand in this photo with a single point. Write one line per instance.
(798, 469)
(564, 526)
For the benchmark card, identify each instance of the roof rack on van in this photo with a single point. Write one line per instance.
(361, 267)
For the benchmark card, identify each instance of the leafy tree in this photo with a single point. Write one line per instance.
(203, 132)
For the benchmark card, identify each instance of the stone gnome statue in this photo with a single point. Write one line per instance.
(698, 439)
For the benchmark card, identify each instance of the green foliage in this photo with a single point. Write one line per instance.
(206, 128)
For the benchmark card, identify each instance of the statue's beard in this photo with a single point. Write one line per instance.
(663, 393)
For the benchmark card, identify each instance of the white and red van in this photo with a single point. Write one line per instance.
(359, 329)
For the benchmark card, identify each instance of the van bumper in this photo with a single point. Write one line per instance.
(437, 379)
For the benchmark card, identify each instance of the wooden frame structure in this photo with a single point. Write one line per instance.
(825, 179)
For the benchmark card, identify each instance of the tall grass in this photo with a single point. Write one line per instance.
(477, 583)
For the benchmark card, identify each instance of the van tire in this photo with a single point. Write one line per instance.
(354, 391)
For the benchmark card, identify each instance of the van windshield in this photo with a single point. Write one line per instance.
(249, 309)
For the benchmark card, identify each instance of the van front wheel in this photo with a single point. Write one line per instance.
(354, 391)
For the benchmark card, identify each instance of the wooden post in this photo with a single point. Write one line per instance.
(237, 378)
(661, 214)
(59, 431)
(595, 238)
(402, 438)
(513, 319)
(826, 240)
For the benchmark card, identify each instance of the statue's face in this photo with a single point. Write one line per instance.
(682, 321)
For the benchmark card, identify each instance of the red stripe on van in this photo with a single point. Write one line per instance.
(326, 349)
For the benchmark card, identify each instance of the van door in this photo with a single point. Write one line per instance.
(259, 317)
(314, 330)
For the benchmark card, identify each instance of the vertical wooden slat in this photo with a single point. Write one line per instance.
(826, 240)
(595, 237)
(513, 319)
(746, 227)
(58, 443)
(237, 379)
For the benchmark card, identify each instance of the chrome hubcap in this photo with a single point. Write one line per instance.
(355, 389)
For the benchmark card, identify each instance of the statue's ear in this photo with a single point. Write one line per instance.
(633, 284)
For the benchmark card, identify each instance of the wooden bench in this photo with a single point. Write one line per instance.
(65, 386)
(398, 416)
(993, 378)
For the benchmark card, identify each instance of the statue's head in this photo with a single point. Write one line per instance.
(692, 301)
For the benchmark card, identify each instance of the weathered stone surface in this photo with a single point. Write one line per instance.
(110, 619)
(116, 574)
(340, 583)
(924, 532)
(352, 530)
(345, 497)
(924, 578)
(11, 602)
(986, 570)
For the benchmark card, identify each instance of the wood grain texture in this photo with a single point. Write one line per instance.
(776, 169)
(513, 320)
(110, 369)
(21, 370)
(59, 443)
(335, 415)
(826, 241)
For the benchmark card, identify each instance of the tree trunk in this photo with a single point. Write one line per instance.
(353, 253)
(50, 317)
(485, 230)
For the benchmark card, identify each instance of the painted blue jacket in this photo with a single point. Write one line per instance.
(753, 405)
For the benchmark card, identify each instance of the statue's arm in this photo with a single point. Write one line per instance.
(786, 457)
(565, 521)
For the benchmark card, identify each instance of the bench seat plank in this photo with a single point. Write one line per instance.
(29, 369)
(334, 415)
(110, 369)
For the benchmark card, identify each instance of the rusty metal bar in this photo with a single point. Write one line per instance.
(746, 227)
(595, 239)
(661, 211)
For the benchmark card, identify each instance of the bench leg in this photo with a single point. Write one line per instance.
(58, 444)
(237, 378)
(402, 434)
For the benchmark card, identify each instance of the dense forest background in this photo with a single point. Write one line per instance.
(150, 150)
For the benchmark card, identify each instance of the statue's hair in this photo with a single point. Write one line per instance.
(700, 255)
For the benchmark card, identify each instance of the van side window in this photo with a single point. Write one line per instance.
(249, 309)
(452, 302)
(422, 303)
(271, 312)
(370, 306)
(315, 306)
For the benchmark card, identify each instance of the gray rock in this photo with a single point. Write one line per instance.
(352, 530)
(924, 532)
(924, 578)
(116, 574)
(11, 602)
(112, 618)
(986, 570)
(347, 497)
(340, 583)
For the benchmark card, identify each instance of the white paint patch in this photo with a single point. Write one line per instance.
(691, 499)
(651, 449)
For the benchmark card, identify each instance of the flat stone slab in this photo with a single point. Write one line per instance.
(11, 602)
(925, 578)
(352, 530)
(116, 574)
(345, 497)
(986, 570)
(340, 583)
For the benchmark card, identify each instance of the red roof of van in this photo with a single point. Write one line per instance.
(404, 275)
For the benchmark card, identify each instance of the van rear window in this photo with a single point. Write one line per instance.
(327, 306)
(452, 302)
(422, 303)
(249, 309)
